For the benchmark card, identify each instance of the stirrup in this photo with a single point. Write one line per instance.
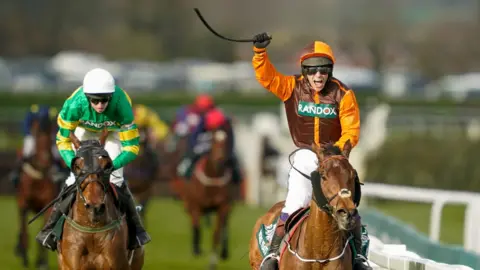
(362, 259)
(272, 256)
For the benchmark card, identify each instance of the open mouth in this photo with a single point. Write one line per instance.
(318, 83)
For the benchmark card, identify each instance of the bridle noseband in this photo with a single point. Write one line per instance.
(316, 176)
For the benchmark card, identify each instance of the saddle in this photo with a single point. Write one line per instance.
(295, 217)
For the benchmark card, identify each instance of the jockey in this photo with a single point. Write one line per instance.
(188, 117)
(338, 120)
(200, 143)
(96, 105)
(36, 113)
(148, 118)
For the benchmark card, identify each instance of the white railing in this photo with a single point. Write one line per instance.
(438, 199)
(397, 257)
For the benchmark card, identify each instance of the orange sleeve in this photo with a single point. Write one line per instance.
(280, 85)
(349, 120)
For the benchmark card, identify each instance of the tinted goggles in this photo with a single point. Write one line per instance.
(313, 70)
(99, 99)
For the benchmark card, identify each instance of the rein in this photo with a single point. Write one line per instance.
(92, 167)
(110, 226)
(320, 199)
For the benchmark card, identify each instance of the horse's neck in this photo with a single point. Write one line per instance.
(322, 238)
(212, 169)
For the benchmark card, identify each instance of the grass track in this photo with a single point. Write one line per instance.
(170, 229)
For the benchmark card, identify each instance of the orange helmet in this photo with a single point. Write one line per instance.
(204, 102)
(318, 49)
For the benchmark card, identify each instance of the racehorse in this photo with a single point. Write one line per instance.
(318, 239)
(95, 233)
(36, 187)
(175, 182)
(142, 172)
(209, 190)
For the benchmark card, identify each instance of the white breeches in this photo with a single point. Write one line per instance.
(299, 191)
(29, 148)
(113, 147)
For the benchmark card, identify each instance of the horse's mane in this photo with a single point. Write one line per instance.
(44, 124)
(330, 149)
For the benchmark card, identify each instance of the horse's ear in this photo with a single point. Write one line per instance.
(319, 151)
(104, 136)
(347, 148)
(74, 139)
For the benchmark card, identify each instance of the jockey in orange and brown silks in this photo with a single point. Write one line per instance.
(335, 118)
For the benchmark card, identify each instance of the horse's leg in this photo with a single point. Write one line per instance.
(224, 238)
(22, 246)
(222, 213)
(42, 257)
(195, 215)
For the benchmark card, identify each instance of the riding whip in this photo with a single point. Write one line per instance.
(50, 204)
(217, 34)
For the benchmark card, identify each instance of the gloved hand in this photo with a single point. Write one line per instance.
(262, 40)
(183, 166)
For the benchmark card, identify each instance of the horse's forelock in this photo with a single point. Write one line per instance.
(330, 149)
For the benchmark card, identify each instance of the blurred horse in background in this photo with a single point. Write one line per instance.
(36, 187)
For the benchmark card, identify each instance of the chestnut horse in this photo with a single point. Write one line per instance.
(142, 173)
(95, 233)
(36, 187)
(321, 240)
(209, 190)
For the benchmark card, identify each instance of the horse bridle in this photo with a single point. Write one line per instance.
(322, 201)
(90, 154)
(84, 174)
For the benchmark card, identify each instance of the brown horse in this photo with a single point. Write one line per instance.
(142, 172)
(209, 190)
(95, 233)
(321, 238)
(36, 187)
(174, 158)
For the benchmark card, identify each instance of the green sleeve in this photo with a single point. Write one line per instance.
(128, 134)
(68, 120)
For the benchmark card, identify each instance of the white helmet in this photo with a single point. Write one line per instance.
(98, 81)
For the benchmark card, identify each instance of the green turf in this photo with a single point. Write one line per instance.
(170, 229)
(418, 216)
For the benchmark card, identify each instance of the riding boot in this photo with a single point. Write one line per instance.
(359, 262)
(236, 173)
(271, 260)
(46, 237)
(133, 218)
